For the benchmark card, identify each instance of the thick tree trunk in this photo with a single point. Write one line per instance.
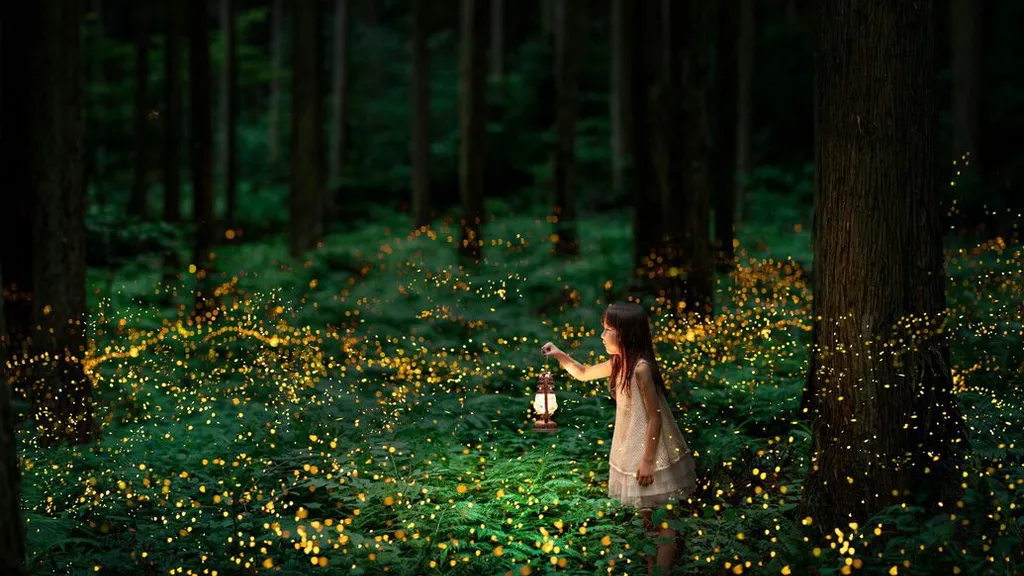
(202, 143)
(339, 104)
(172, 112)
(684, 129)
(16, 217)
(307, 196)
(276, 56)
(420, 113)
(643, 54)
(12, 527)
(230, 96)
(619, 92)
(886, 428)
(140, 177)
(60, 393)
(473, 126)
(745, 102)
(724, 151)
(965, 20)
(570, 40)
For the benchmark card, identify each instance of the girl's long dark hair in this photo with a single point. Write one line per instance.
(634, 330)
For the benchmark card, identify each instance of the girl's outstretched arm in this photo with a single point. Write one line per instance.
(576, 369)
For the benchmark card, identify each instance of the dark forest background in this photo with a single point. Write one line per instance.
(276, 275)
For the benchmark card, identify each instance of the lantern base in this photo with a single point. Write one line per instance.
(539, 425)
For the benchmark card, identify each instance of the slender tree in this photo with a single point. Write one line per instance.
(202, 146)
(339, 103)
(569, 48)
(59, 391)
(724, 115)
(140, 177)
(886, 428)
(306, 199)
(473, 128)
(229, 95)
(745, 101)
(172, 111)
(619, 93)
(498, 41)
(420, 113)
(276, 57)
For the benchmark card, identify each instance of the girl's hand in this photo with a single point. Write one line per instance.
(645, 474)
(549, 350)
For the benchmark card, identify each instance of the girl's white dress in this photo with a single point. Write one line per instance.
(674, 475)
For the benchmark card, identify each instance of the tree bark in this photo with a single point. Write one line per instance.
(172, 112)
(59, 391)
(140, 177)
(420, 113)
(881, 400)
(647, 233)
(230, 96)
(202, 144)
(276, 51)
(12, 526)
(686, 275)
(16, 256)
(745, 102)
(498, 41)
(965, 20)
(569, 48)
(307, 196)
(619, 92)
(473, 127)
(724, 152)
(339, 103)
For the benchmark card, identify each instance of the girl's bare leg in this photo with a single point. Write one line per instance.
(666, 538)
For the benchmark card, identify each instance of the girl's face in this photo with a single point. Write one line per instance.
(610, 338)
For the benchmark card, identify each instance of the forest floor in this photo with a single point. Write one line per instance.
(366, 410)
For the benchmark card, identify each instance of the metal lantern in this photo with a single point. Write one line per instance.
(545, 404)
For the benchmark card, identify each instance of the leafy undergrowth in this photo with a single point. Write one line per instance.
(365, 411)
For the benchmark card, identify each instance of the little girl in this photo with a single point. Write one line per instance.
(650, 464)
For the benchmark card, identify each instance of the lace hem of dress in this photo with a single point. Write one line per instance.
(675, 483)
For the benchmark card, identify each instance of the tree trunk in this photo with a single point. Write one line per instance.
(230, 96)
(420, 113)
(276, 51)
(498, 41)
(686, 274)
(745, 102)
(172, 113)
(965, 20)
(202, 144)
(16, 256)
(724, 151)
(340, 104)
(643, 55)
(12, 527)
(307, 196)
(94, 133)
(473, 127)
(881, 400)
(60, 393)
(140, 177)
(570, 39)
(619, 92)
